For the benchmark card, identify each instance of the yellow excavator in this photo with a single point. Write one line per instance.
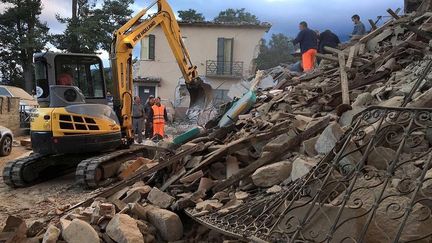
(75, 128)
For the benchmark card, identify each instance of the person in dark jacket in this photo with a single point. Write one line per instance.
(149, 114)
(327, 38)
(138, 118)
(308, 41)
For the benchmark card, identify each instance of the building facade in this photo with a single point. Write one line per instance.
(224, 54)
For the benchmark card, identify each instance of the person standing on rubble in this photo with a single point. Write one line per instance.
(159, 117)
(149, 113)
(327, 38)
(308, 41)
(359, 27)
(138, 118)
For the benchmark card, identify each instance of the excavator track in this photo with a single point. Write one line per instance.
(91, 170)
(95, 172)
(36, 167)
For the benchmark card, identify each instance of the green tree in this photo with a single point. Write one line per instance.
(191, 15)
(278, 50)
(236, 16)
(21, 35)
(90, 28)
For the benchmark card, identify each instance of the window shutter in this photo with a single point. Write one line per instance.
(152, 43)
(220, 55)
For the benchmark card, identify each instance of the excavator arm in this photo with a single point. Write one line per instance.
(127, 37)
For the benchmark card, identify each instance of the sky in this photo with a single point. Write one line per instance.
(284, 15)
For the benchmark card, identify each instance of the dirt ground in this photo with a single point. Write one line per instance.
(38, 202)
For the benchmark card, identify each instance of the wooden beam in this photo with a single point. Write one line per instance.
(269, 157)
(344, 80)
(376, 32)
(332, 50)
(327, 57)
(373, 25)
(352, 54)
(362, 48)
(418, 31)
(392, 13)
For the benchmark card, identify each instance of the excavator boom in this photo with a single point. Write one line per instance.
(127, 37)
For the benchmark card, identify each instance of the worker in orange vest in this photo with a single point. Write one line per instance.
(308, 41)
(159, 116)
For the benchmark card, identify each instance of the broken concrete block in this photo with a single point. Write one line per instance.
(363, 99)
(51, 235)
(15, 230)
(192, 177)
(80, 231)
(138, 210)
(166, 222)
(208, 205)
(272, 174)
(395, 101)
(301, 167)
(126, 173)
(64, 223)
(274, 189)
(118, 204)
(35, 228)
(232, 166)
(160, 198)
(347, 116)
(143, 190)
(230, 206)
(380, 157)
(221, 196)
(102, 210)
(277, 143)
(147, 230)
(309, 146)
(205, 184)
(240, 195)
(328, 138)
(132, 197)
(124, 229)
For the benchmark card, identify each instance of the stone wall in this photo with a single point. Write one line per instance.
(9, 113)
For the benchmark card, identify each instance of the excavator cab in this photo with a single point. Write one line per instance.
(84, 71)
(73, 116)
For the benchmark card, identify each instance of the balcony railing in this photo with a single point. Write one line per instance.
(224, 69)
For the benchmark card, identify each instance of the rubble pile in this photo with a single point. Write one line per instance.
(295, 127)
(137, 213)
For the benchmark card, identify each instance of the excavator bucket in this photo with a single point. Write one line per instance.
(201, 96)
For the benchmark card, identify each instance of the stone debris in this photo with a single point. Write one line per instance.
(297, 120)
(272, 174)
(51, 235)
(159, 198)
(168, 224)
(124, 229)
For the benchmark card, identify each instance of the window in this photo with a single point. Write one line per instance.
(225, 49)
(85, 72)
(148, 45)
(41, 76)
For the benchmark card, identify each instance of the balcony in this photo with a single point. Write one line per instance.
(224, 69)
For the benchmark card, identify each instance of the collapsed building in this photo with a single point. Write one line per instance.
(340, 154)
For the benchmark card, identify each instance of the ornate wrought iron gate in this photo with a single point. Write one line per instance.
(375, 186)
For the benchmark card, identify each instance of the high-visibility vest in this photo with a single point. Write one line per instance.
(158, 114)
